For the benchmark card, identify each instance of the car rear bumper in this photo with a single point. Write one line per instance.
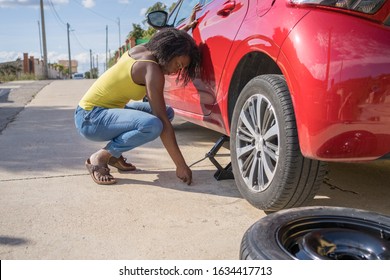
(340, 86)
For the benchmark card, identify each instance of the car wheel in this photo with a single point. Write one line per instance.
(321, 233)
(268, 167)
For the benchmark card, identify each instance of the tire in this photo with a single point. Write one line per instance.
(318, 233)
(269, 169)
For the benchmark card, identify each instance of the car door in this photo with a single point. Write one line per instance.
(218, 23)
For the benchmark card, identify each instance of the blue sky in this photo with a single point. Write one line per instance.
(20, 33)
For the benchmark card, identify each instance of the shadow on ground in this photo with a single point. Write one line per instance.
(35, 148)
(357, 185)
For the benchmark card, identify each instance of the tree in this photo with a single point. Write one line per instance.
(149, 32)
(137, 32)
(172, 6)
(156, 7)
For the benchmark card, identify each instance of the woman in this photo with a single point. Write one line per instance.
(105, 113)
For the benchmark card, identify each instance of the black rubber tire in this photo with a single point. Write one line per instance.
(296, 178)
(271, 237)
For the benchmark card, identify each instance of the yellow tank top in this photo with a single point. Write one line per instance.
(115, 88)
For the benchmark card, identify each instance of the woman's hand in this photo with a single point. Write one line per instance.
(196, 9)
(192, 21)
(184, 173)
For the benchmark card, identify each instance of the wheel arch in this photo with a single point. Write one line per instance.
(252, 64)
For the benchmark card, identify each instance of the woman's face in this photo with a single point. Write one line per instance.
(176, 64)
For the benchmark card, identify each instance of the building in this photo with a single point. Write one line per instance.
(65, 63)
(32, 66)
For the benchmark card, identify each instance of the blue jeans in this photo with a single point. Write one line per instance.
(125, 128)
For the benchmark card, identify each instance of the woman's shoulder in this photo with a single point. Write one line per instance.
(146, 65)
(141, 53)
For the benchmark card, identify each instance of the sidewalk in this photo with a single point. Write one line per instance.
(51, 209)
(14, 96)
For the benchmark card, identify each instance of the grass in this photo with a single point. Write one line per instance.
(22, 77)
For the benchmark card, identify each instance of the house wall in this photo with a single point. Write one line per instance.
(35, 66)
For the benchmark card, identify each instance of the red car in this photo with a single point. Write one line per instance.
(293, 83)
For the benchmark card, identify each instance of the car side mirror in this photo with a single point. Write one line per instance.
(157, 19)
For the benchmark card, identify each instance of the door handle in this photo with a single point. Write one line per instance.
(226, 8)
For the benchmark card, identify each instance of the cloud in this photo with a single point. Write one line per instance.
(14, 3)
(60, 1)
(88, 3)
(143, 11)
(27, 3)
(10, 56)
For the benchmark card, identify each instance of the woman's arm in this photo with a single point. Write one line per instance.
(192, 20)
(154, 80)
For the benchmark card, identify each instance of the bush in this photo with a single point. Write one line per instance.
(13, 77)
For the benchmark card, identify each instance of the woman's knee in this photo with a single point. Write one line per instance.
(153, 128)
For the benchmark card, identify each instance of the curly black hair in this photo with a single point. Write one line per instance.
(171, 42)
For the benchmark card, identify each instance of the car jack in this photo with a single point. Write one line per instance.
(223, 173)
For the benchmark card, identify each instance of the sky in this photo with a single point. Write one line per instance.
(21, 28)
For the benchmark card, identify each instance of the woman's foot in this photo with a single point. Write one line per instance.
(121, 164)
(98, 168)
(101, 157)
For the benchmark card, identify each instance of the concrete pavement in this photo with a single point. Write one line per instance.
(51, 209)
(14, 96)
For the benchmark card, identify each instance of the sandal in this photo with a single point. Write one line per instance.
(121, 164)
(100, 174)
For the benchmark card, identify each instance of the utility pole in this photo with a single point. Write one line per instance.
(119, 26)
(40, 39)
(97, 65)
(93, 66)
(105, 68)
(45, 66)
(90, 62)
(70, 61)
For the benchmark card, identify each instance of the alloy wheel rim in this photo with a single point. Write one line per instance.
(257, 144)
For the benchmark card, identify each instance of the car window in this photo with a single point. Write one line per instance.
(182, 12)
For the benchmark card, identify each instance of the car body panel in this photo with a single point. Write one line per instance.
(199, 96)
(340, 86)
(336, 64)
(249, 40)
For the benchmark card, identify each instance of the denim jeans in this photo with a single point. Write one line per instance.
(125, 128)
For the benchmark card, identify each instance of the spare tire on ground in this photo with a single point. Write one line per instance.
(323, 233)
